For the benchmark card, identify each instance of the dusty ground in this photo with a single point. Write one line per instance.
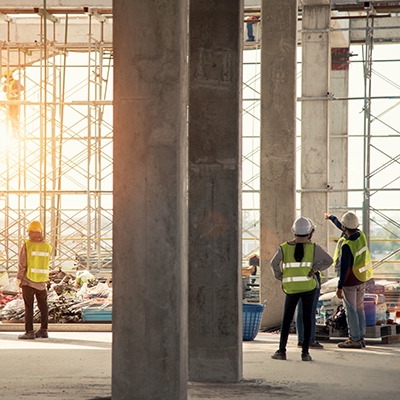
(77, 366)
(333, 374)
(67, 366)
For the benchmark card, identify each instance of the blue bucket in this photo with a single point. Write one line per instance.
(370, 310)
(252, 315)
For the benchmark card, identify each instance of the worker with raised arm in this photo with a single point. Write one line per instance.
(353, 261)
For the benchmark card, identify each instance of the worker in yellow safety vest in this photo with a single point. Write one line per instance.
(12, 88)
(32, 277)
(352, 260)
(295, 263)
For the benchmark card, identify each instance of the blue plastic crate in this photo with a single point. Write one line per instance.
(95, 314)
(252, 315)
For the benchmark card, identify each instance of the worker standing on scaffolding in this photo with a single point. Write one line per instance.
(13, 88)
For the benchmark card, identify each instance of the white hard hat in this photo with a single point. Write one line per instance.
(302, 226)
(350, 220)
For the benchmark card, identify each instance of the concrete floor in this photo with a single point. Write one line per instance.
(67, 366)
(77, 365)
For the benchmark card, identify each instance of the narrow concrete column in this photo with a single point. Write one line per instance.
(278, 143)
(315, 114)
(149, 354)
(338, 169)
(215, 80)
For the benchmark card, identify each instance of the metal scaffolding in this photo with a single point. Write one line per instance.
(57, 164)
(374, 188)
(56, 159)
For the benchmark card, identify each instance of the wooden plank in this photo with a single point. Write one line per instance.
(391, 339)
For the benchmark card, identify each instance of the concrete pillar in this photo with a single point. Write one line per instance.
(278, 143)
(338, 170)
(215, 80)
(149, 354)
(315, 114)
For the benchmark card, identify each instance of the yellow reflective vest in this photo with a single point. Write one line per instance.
(295, 277)
(38, 261)
(362, 265)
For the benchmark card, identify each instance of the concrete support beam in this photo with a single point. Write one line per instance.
(22, 40)
(313, 3)
(385, 29)
(56, 3)
(315, 115)
(26, 32)
(340, 34)
(149, 354)
(278, 143)
(338, 145)
(215, 300)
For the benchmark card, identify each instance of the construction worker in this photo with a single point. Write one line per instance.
(254, 261)
(249, 25)
(13, 88)
(32, 276)
(353, 261)
(295, 263)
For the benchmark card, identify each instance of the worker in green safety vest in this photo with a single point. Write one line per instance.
(352, 260)
(32, 276)
(295, 264)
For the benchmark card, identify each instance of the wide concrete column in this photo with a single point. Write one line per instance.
(315, 114)
(278, 143)
(149, 354)
(338, 165)
(215, 80)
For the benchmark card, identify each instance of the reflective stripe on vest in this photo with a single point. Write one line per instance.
(40, 254)
(38, 261)
(40, 271)
(295, 277)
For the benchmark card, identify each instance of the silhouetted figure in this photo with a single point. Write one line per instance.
(13, 88)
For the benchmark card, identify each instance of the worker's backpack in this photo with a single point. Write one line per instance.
(338, 319)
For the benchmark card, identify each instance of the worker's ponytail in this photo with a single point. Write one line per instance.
(299, 252)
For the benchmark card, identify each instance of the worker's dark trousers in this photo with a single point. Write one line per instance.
(29, 293)
(290, 307)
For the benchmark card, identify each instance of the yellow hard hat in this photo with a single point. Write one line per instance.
(7, 72)
(35, 226)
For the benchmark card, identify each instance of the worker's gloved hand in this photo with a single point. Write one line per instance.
(18, 283)
(339, 293)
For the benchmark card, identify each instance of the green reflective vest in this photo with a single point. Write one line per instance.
(38, 259)
(362, 265)
(295, 277)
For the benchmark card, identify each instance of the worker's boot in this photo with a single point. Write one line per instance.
(305, 357)
(350, 344)
(279, 355)
(27, 335)
(41, 334)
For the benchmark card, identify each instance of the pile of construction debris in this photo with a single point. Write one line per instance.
(69, 295)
